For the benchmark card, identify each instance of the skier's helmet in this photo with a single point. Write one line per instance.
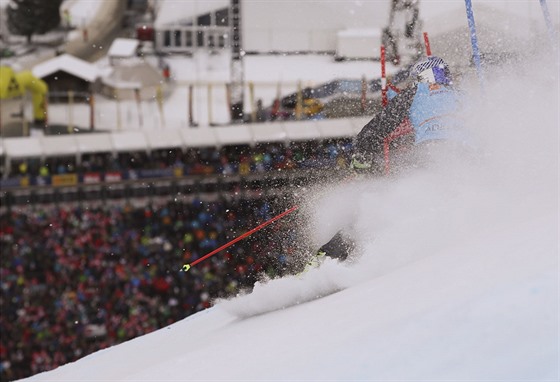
(432, 70)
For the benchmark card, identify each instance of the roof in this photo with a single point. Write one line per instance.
(233, 135)
(163, 139)
(174, 12)
(335, 128)
(145, 140)
(358, 123)
(69, 64)
(133, 75)
(60, 145)
(94, 143)
(23, 147)
(123, 47)
(129, 141)
(197, 137)
(302, 130)
(269, 132)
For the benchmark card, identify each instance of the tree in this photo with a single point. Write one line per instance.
(29, 17)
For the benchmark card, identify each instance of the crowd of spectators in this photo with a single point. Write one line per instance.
(238, 159)
(75, 280)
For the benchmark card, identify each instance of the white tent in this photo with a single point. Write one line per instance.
(358, 123)
(23, 147)
(60, 145)
(94, 143)
(146, 140)
(269, 132)
(199, 137)
(302, 130)
(335, 128)
(234, 135)
(129, 141)
(163, 139)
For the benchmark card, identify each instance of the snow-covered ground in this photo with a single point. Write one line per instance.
(457, 277)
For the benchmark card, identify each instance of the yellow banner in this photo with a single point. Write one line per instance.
(24, 181)
(65, 180)
(178, 172)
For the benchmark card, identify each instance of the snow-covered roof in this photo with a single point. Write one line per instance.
(268, 132)
(336, 128)
(233, 135)
(145, 140)
(60, 145)
(94, 143)
(69, 64)
(129, 141)
(123, 48)
(163, 139)
(173, 12)
(302, 130)
(358, 123)
(23, 147)
(199, 137)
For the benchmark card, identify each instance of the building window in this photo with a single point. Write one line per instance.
(178, 35)
(189, 38)
(200, 39)
(167, 38)
(222, 40)
(211, 41)
(222, 17)
(204, 20)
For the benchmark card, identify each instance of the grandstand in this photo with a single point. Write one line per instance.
(77, 167)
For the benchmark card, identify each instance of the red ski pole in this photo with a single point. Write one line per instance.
(186, 267)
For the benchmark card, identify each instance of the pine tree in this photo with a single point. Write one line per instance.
(29, 17)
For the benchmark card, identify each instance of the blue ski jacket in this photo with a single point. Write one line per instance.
(432, 109)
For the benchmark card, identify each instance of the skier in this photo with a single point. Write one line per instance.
(431, 105)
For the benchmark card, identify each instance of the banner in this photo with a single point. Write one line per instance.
(91, 177)
(13, 182)
(64, 180)
(155, 173)
(114, 176)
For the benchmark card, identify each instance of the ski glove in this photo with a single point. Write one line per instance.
(359, 164)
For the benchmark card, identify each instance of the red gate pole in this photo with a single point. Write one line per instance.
(383, 78)
(427, 44)
(186, 267)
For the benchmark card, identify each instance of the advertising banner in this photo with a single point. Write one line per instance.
(65, 180)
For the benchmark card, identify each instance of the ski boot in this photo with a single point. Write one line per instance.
(339, 247)
(315, 261)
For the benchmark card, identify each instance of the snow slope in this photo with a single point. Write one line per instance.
(457, 278)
